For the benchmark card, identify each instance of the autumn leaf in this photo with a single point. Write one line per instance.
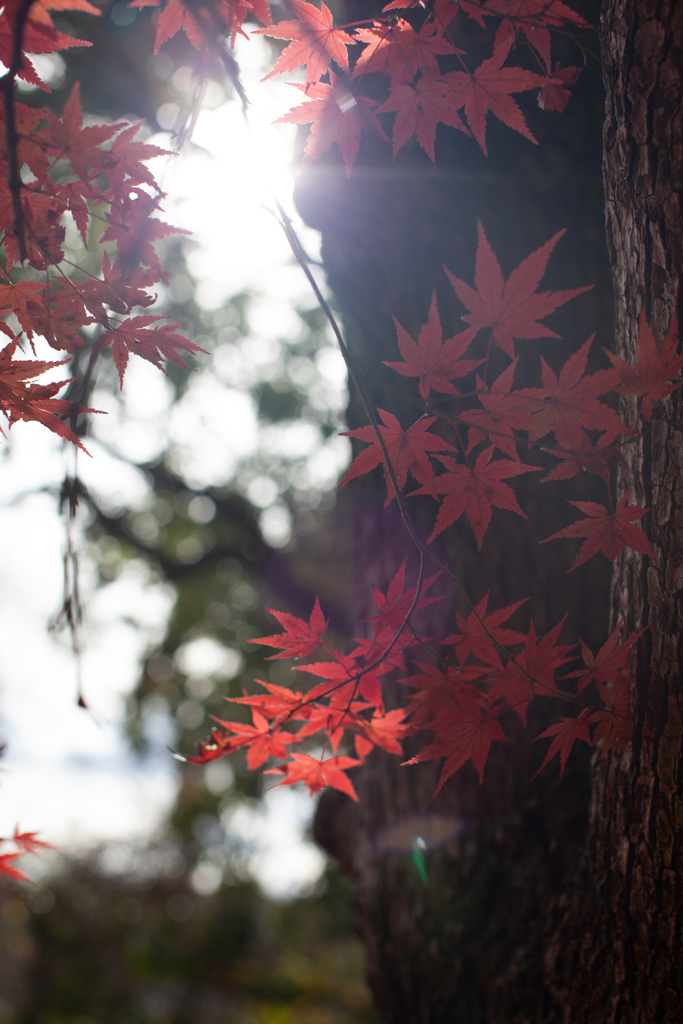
(436, 362)
(396, 603)
(407, 450)
(534, 18)
(318, 774)
(570, 404)
(614, 723)
(481, 630)
(383, 731)
(609, 532)
(655, 368)
(610, 660)
(474, 490)
(337, 116)
(261, 739)
(344, 680)
(532, 671)
(397, 50)
(199, 20)
(588, 458)
(15, 297)
(79, 144)
(125, 161)
(37, 38)
(564, 733)
(503, 410)
(7, 867)
(462, 736)
(488, 88)
(278, 700)
(300, 638)
(213, 749)
(153, 344)
(29, 842)
(420, 106)
(555, 94)
(315, 41)
(510, 308)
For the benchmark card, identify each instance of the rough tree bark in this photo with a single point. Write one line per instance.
(550, 901)
(626, 943)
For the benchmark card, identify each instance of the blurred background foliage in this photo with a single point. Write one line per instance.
(178, 930)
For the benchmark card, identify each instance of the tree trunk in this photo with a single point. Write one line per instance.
(547, 901)
(626, 942)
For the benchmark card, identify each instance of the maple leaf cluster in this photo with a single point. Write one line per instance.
(421, 92)
(53, 168)
(485, 670)
(565, 416)
(21, 843)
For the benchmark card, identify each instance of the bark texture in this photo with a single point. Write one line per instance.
(540, 902)
(626, 943)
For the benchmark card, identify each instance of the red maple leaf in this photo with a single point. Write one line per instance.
(7, 866)
(564, 733)
(555, 94)
(419, 107)
(395, 604)
(39, 9)
(213, 749)
(610, 660)
(318, 774)
(586, 458)
(34, 402)
(503, 410)
(125, 162)
(337, 116)
(79, 144)
(29, 842)
(198, 19)
(279, 700)
(120, 288)
(15, 297)
(434, 361)
(533, 18)
(58, 317)
(570, 404)
(511, 308)
(489, 88)
(614, 724)
(397, 50)
(654, 369)
(300, 638)
(609, 532)
(475, 637)
(154, 345)
(407, 450)
(36, 38)
(474, 490)
(193, 19)
(136, 231)
(533, 670)
(383, 731)
(315, 41)
(261, 739)
(462, 735)
(344, 680)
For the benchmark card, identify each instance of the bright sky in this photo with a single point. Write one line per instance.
(68, 773)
